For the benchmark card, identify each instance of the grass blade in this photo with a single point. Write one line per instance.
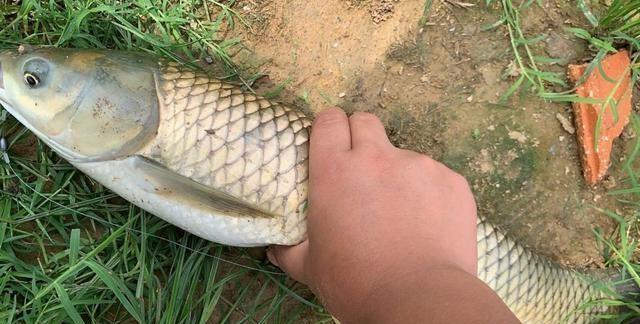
(123, 293)
(68, 306)
(74, 246)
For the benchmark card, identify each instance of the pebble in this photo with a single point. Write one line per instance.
(567, 125)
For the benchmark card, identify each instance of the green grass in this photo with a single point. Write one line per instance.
(73, 252)
(622, 16)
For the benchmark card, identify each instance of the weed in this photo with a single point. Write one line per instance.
(527, 63)
(622, 16)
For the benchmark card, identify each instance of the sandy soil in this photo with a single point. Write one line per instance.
(436, 87)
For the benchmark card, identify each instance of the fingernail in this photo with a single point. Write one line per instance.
(272, 257)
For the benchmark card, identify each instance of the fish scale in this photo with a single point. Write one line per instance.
(219, 136)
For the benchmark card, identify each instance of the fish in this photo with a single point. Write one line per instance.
(225, 164)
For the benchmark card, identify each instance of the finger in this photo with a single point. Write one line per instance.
(291, 259)
(367, 130)
(330, 133)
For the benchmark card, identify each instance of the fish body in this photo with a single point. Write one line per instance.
(221, 163)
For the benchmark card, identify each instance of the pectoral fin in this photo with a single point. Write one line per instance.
(161, 181)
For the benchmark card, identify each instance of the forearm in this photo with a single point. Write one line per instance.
(446, 295)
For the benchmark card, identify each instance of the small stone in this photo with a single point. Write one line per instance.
(518, 136)
(470, 98)
(535, 142)
(609, 182)
(424, 78)
(563, 48)
(342, 94)
(512, 69)
(24, 48)
(567, 125)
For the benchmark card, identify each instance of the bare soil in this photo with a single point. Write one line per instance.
(436, 87)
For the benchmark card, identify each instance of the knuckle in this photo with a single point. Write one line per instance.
(380, 161)
(329, 117)
(425, 161)
(461, 181)
(365, 117)
(372, 153)
(335, 166)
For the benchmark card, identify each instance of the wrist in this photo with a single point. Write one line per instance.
(394, 299)
(442, 294)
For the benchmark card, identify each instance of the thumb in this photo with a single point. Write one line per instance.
(291, 259)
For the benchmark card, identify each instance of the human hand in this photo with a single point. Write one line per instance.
(379, 217)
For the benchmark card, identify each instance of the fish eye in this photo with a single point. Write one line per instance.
(35, 72)
(31, 80)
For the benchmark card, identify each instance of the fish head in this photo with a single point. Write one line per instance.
(88, 105)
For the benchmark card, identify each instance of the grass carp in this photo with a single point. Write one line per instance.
(221, 163)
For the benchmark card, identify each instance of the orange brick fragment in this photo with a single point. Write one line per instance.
(595, 161)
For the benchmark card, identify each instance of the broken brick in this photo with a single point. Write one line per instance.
(596, 159)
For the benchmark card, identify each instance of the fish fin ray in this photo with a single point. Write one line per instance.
(162, 181)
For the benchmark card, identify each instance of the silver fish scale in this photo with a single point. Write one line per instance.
(534, 288)
(257, 150)
(242, 144)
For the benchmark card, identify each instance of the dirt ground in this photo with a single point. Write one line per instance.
(436, 86)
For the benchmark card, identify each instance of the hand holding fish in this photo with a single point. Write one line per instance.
(386, 225)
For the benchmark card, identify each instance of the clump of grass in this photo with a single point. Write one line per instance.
(73, 252)
(622, 16)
